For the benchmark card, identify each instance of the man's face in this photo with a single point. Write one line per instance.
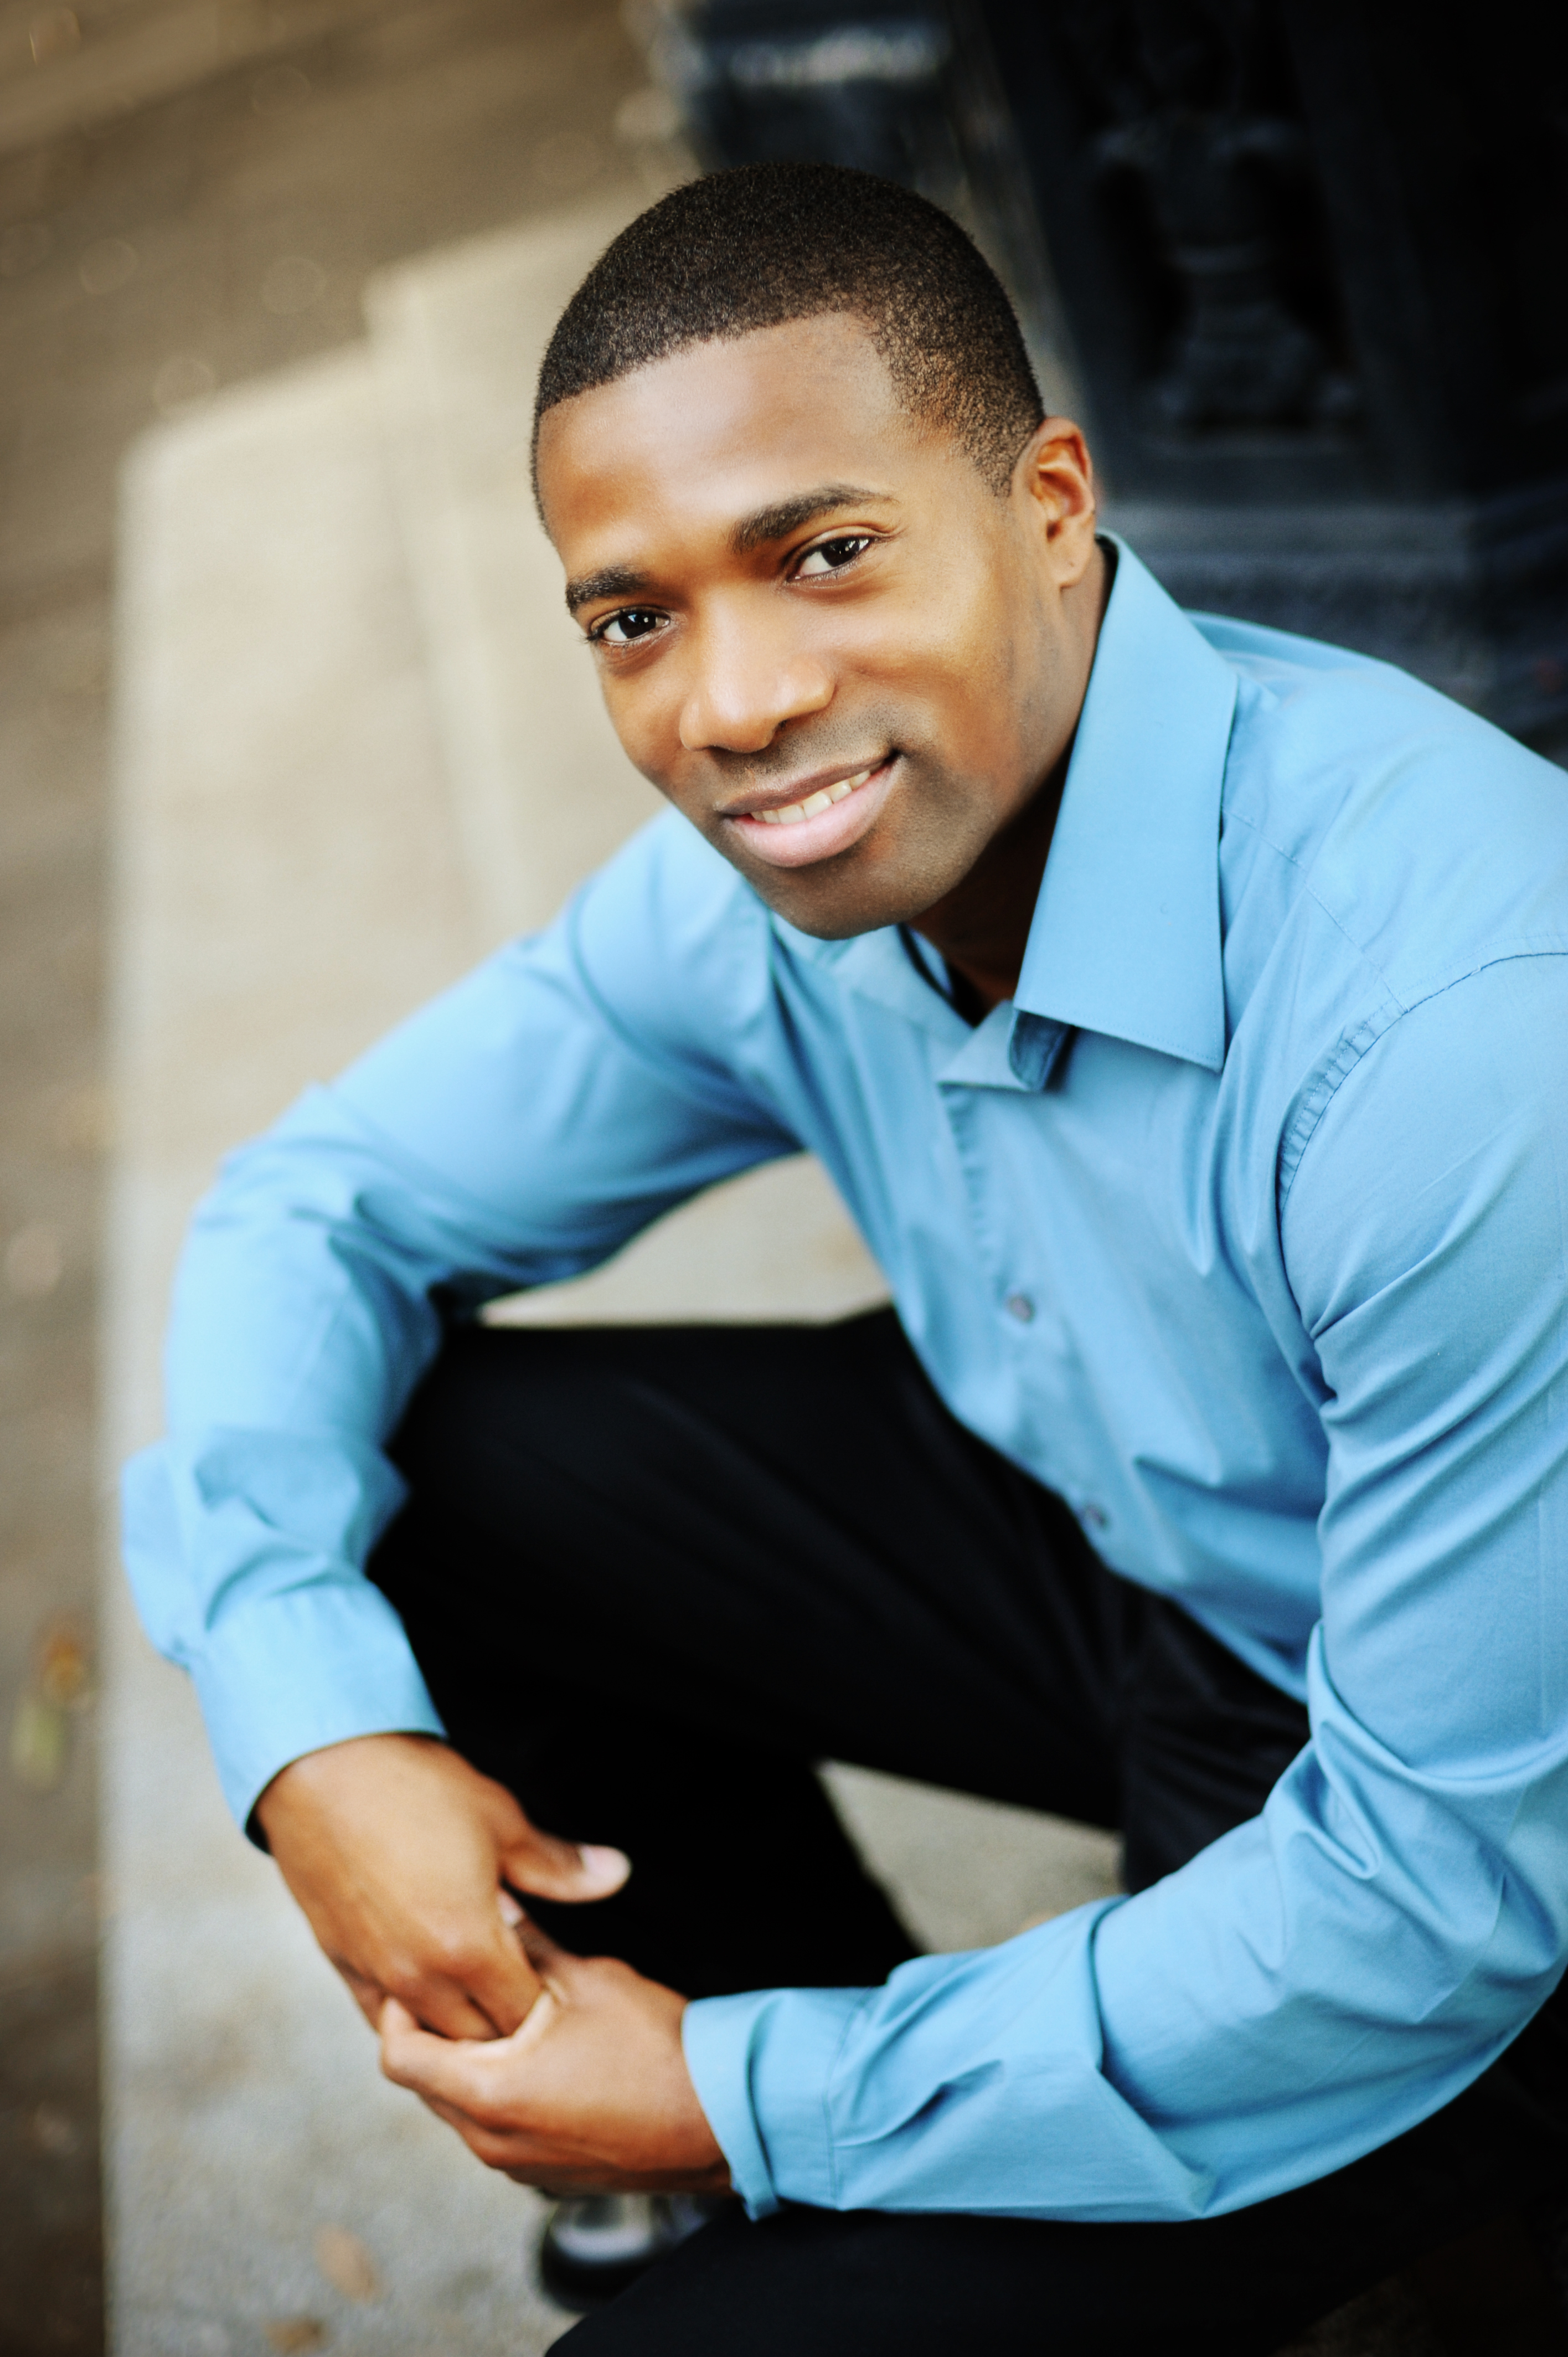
(820, 632)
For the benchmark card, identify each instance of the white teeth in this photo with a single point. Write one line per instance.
(820, 801)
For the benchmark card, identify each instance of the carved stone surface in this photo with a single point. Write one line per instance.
(1196, 107)
(862, 86)
(1312, 256)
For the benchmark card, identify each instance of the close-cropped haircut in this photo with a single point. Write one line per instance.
(768, 243)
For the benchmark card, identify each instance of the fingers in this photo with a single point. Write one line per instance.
(550, 1868)
(462, 2085)
(463, 2073)
(555, 1966)
(497, 2148)
(552, 1964)
(593, 2089)
(452, 2012)
(405, 2050)
(444, 2005)
(536, 1943)
(487, 1987)
(467, 1977)
(366, 1994)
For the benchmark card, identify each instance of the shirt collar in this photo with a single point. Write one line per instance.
(1125, 938)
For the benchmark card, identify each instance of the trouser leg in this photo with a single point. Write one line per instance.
(653, 1576)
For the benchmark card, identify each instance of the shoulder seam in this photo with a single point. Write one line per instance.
(1321, 905)
(1348, 1051)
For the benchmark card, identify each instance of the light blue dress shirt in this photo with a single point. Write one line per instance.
(1243, 1227)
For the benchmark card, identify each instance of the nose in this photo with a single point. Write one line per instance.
(747, 678)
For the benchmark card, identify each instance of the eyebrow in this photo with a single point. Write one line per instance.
(610, 581)
(754, 531)
(788, 515)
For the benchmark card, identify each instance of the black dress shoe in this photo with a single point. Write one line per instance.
(596, 2244)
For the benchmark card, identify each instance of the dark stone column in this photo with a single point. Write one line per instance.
(1315, 256)
(906, 87)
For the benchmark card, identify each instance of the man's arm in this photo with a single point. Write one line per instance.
(1325, 1976)
(513, 1133)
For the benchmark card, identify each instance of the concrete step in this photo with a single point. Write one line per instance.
(73, 70)
(289, 881)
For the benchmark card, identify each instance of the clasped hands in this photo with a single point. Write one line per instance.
(561, 2070)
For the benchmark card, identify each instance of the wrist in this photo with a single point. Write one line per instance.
(315, 1777)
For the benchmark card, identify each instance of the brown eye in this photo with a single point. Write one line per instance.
(831, 555)
(624, 630)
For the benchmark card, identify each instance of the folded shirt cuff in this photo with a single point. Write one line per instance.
(313, 1655)
(293, 1673)
(769, 2056)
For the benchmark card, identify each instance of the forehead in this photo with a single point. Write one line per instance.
(722, 429)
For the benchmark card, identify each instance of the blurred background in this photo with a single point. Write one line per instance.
(293, 729)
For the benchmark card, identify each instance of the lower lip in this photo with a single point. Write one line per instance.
(824, 835)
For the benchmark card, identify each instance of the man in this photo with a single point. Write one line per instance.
(1178, 1009)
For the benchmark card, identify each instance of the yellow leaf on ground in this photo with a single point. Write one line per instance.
(40, 1743)
(345, 2263)
(292, 2335)
(64, 1675)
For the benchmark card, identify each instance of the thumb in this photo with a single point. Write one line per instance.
(550, 1868)
(553, 1965)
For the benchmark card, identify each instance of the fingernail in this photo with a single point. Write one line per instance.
(603, 1865)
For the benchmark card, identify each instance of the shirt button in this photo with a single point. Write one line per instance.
(1019, 1306)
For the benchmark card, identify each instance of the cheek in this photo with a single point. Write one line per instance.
(960, 688)
(953, 637)
(987, 669)
(644, 710)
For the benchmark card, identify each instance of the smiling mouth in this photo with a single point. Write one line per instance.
(823, 821)
(824, 799)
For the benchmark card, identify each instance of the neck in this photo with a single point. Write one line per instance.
(981, 928)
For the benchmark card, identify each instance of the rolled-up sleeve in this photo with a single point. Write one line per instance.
(517, 1131)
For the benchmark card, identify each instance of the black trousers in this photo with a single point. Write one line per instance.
(651, 1576)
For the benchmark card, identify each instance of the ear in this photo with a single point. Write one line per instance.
(1055, 475)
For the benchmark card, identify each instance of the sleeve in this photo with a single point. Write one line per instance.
(517, 1130)
(1334, 1971)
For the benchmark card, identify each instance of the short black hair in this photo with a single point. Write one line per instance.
(766, 243)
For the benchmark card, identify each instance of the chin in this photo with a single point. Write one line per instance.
(836, 908)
